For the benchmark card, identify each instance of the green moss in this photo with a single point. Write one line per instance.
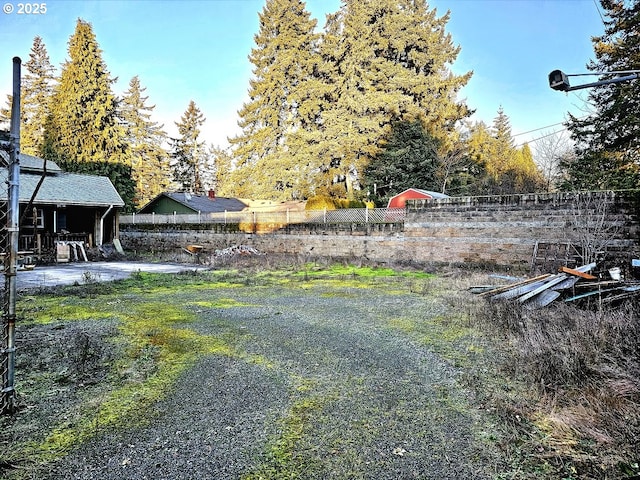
(444, 335)
(282, 460)
(220, 303)
(145, 326)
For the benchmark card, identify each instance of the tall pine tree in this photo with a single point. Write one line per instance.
(189, 157)
(84, 124)
(409, 160)
(149, 160)
(390, 63)
(506, 168)
(83, 131)
(284, 95)
(607, 142)
(36, 91)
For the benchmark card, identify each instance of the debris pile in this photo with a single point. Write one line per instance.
(235, 250)
(569, 285)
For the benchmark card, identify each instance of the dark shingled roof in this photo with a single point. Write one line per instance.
(201, 203)
(30, 163)
(67, 189)
(58, 187)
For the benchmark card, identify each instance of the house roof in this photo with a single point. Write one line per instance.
(399, 200)
(67, 189)
(425, 192)
(30, 163)
(199, 203)
(58, 187)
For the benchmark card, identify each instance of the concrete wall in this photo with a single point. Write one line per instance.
(502, 230)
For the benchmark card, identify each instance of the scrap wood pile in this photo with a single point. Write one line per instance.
(569, 285)
(235, 250)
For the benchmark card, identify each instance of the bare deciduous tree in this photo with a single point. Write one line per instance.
(593, 228)
(550, 150)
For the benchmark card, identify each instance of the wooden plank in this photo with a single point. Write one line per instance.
(577, 273)
(553, 280)
(118, 246)
(512, 285)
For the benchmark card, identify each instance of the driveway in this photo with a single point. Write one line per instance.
(80, 272)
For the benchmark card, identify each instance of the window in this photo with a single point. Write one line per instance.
(39, 220)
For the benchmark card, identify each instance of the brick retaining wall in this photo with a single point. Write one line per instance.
(501, 230)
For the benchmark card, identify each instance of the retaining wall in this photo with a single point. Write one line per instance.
(499, 230)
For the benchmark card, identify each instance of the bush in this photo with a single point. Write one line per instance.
(320, 203)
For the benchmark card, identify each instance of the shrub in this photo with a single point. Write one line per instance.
(320, 202)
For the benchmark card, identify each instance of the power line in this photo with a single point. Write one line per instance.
(599, 12)
(536, 129)
(543, 136)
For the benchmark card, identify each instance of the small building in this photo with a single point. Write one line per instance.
(68, 207)
(169, 203)
(400, 200)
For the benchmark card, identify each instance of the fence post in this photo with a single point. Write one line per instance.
(153, 218)
(199, 219)
(225, 217)
(134, 218)
(366, 214)
(174, 217)
(325, 214)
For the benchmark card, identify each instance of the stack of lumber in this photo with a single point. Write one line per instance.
(568, 285)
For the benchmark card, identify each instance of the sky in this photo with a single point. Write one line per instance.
(197, 50)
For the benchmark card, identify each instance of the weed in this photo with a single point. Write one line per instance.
(584, 368)
(89, 278)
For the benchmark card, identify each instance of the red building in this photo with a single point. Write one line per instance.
(400, 200)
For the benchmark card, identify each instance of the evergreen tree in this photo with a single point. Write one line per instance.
(522, 174)
(223, 162)
(83, 132)
(149, 160)
(503, 149)
(188, 154)
(36, 91)
(284, 96)
(409, 159)
(507, 169)
(84, 121)
(607, 142)
(389, 62)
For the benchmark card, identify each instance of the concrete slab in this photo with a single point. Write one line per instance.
(70, 273)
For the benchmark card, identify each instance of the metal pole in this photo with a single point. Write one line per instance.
(13, 218)
(605, 82)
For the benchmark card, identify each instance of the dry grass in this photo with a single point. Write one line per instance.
(582, 370)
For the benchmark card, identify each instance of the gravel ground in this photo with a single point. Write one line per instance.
(370, 401)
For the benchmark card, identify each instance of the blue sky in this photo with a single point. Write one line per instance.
(197, 50)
